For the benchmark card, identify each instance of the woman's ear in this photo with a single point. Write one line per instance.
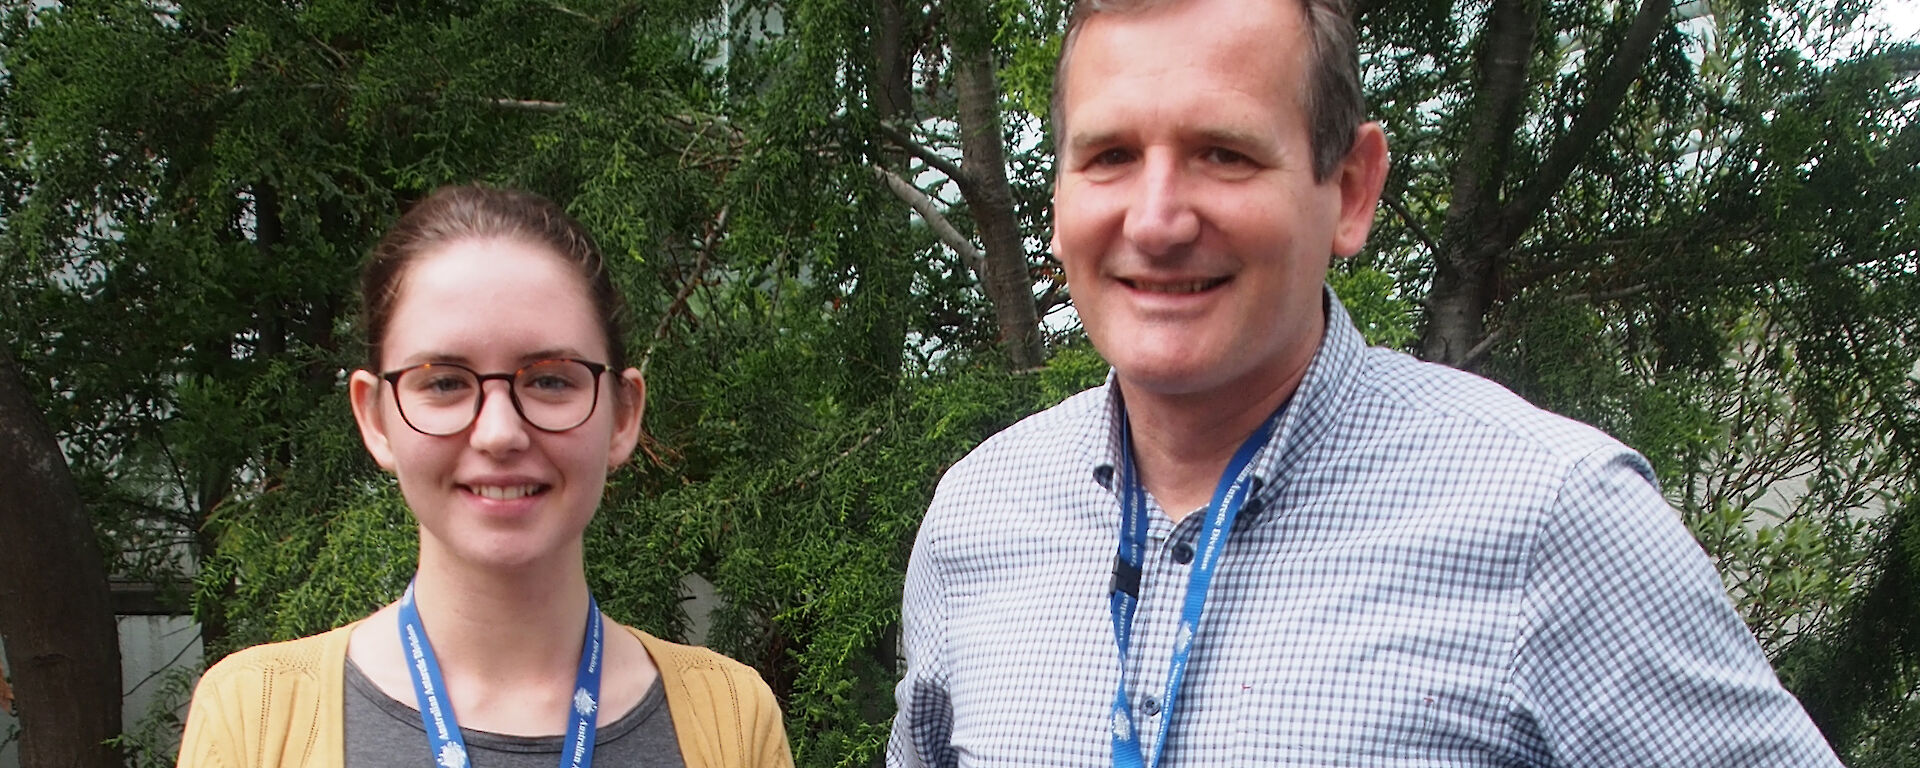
(363, 390)
(629, 405)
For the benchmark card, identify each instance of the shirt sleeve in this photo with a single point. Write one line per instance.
(924, 722)
(1631, 654)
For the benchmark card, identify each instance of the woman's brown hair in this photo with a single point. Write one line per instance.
(465, 212)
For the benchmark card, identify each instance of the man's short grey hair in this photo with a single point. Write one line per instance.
(1334, 105)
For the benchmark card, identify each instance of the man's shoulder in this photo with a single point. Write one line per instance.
(1040, 456)
(1039, 443)
(1411, 393)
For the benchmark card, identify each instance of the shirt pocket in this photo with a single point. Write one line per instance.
(1289, 722)
(1396, 701)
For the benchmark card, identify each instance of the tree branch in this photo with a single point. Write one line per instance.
(1399, 207)
(1054, 297)
(576, 14)
(1603, 105)
(679, 303)
(1613, 295)
(529, 105)
(1005, 275)
(930, 213)
(927, 155)
(817, 471)
(1726, 280)
(1467, 266)
(1499, 97)
(1479, 352)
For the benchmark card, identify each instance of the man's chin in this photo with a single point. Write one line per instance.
(1171, 378)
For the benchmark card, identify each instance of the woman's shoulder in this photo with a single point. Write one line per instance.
(266, 706)
(696, 667)
(311, 657)
(723, 712)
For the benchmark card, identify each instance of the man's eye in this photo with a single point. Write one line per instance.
(1111, 157)
(1223, 156)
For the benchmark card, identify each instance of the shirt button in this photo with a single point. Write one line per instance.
(1183, 553)
(1151, 706)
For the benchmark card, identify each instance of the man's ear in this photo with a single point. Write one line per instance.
(1361, 176)
(363, 390)
(629, 406)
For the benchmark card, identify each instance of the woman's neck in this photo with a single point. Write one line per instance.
(508, 644)
(511, 629)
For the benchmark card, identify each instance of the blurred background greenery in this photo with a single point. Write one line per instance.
(1688, 223)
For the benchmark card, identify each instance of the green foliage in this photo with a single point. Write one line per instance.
(1725, 282)
(1384, 316)
(1857, 681)
(153, 741)
(1716, 284)
(816, 548)
(1030, 33)
(186, 238)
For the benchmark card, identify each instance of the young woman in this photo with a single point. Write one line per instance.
(499, 398)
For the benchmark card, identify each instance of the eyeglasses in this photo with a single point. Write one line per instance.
(441, 399)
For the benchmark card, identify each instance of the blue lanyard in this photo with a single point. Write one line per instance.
(1228, 497)
(443, 730)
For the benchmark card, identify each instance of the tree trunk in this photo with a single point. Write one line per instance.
(55, 612)
(1482, 225)
(1465, 269)
(990, 199)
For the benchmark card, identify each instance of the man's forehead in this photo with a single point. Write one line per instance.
(1221, 36)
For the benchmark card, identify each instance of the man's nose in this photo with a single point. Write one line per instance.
(1161, 218)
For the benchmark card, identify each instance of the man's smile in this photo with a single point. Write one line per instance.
(1175, 287)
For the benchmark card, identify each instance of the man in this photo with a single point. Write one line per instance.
(1261, 542)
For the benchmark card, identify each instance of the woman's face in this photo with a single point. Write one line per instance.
(499, 493)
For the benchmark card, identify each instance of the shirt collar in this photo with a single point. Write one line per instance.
(1310, 414)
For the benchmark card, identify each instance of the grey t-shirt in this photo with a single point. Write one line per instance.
(382, 732)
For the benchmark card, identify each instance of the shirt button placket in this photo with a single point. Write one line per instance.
(1150, 726)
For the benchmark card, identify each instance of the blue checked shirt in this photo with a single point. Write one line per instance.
(1433, 573)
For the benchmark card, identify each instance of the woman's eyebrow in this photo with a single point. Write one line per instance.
(552, 353)
(430, 356)
(549, 353)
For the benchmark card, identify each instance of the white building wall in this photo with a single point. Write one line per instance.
(148, 644)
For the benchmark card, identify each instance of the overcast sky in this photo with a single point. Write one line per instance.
(1902, 17)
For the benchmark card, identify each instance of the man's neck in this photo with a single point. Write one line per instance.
(1183, 443)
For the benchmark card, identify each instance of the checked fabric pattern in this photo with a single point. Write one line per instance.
(1434, 573)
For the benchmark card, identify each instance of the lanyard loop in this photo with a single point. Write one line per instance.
(449, 747)
(1236, 483)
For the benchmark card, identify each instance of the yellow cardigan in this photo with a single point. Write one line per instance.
(281, 706)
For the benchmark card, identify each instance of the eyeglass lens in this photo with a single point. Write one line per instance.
(441, 399)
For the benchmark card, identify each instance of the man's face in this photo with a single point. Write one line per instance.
(1194, 236)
